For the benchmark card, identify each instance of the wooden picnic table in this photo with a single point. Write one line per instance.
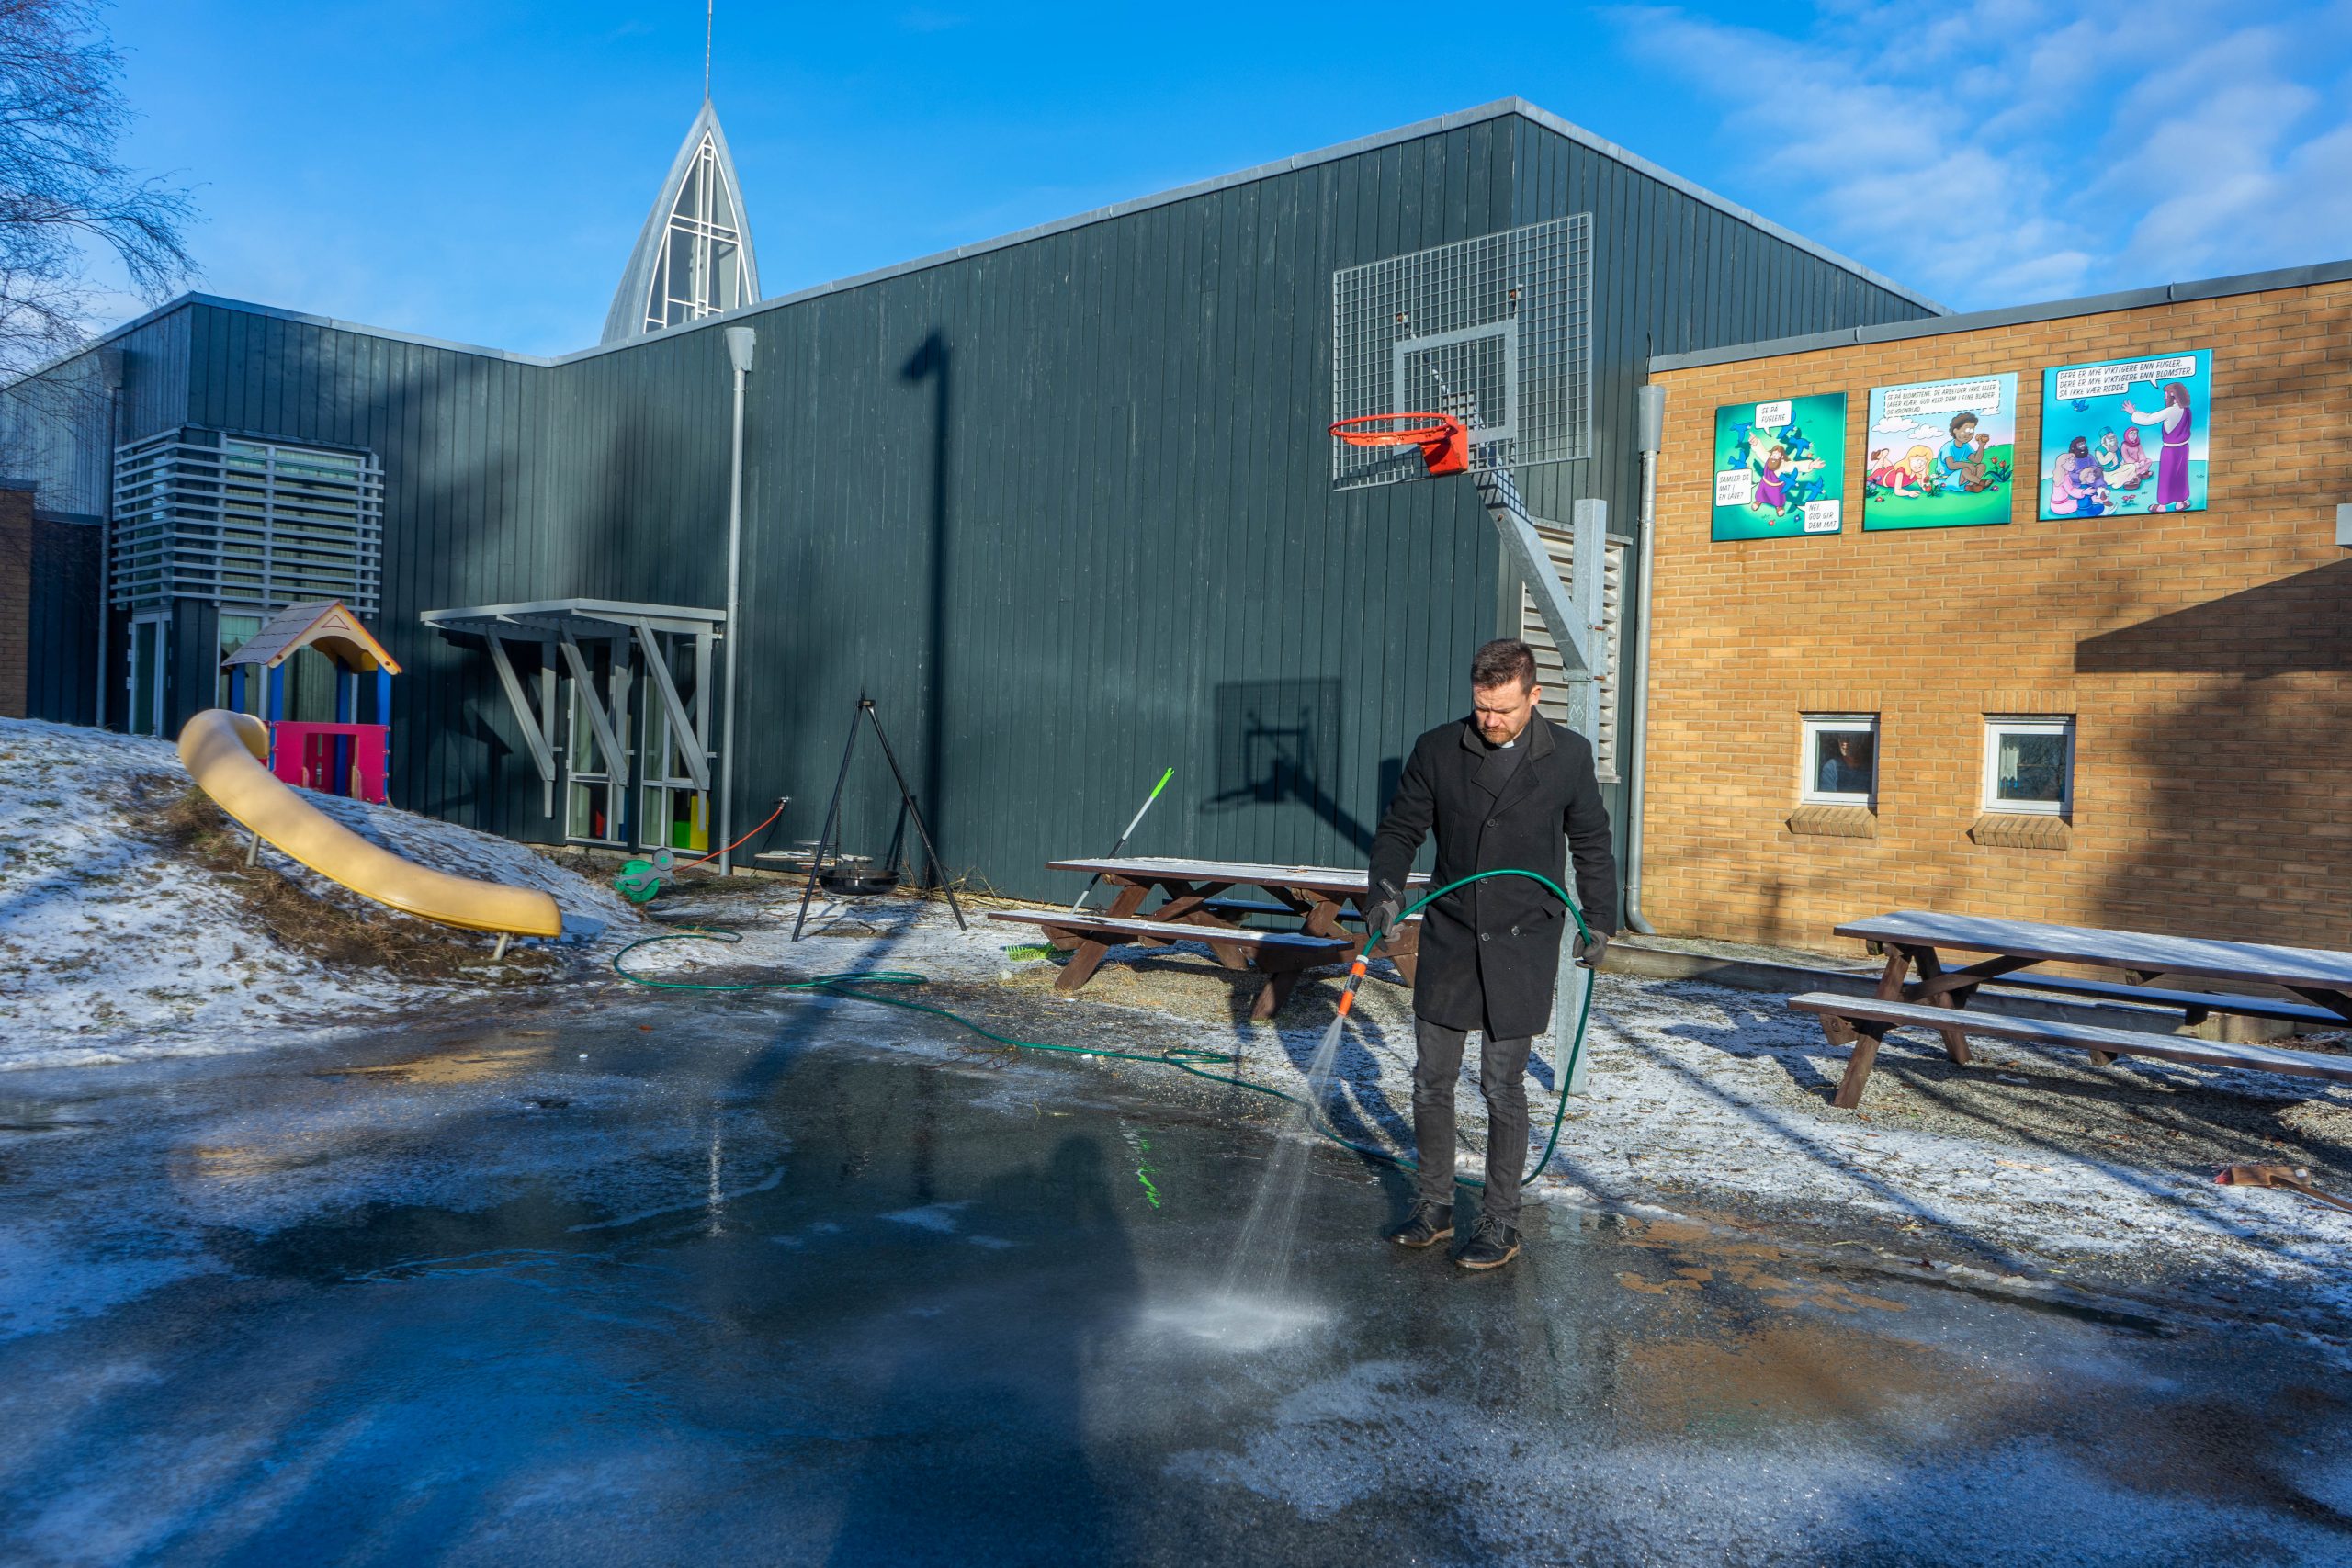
(1915, 940)
(1198, 905)
(1199, 892)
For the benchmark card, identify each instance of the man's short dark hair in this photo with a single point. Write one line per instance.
(1505, 659)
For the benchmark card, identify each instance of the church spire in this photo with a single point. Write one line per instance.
(694, 256)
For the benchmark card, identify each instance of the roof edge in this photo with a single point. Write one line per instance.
(1500, 108)
(275, 312)
(2013, 315)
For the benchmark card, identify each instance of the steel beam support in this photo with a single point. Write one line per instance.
(690, 740)
(615, 759)
(537, 736)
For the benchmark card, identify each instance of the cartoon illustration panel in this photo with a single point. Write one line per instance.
(1942, 454)
(1780, 468)
(2126, 436)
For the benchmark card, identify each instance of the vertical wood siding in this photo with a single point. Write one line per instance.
(1061, 508)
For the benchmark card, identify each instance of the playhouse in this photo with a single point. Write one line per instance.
(344, 757)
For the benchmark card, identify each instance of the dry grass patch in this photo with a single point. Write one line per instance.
(338, 929)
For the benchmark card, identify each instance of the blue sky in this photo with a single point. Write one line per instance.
(478, 171)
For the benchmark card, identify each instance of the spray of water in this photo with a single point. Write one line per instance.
(1255, 1303)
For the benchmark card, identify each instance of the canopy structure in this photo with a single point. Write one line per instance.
(598, 755)
(324, 625)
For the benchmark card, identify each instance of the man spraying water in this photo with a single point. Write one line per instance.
(1503, 788)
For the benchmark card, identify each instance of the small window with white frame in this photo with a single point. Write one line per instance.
(2029, 763)
(1841, 760)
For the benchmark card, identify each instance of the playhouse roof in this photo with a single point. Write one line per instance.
(326, 624)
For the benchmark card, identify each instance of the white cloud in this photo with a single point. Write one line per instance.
(2017, 149)
(2214, 166)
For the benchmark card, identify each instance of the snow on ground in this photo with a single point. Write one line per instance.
(2029, 1166)
(2049, 1163)
(116, 946)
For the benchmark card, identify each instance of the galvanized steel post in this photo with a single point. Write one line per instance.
(740, 341)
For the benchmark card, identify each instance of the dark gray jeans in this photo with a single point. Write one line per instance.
(1502, 1078)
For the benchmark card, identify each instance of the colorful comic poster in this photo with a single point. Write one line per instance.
(1780, 468)
(2127, 435)
(1942, 454)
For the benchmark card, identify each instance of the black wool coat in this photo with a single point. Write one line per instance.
(1491, 952)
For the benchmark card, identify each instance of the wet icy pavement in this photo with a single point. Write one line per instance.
(796, 1284)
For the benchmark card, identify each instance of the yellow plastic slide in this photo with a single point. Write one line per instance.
(224, 752)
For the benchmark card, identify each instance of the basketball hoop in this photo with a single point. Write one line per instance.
(1444, 441)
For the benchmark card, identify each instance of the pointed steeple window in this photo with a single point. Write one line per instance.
(693, 258)
(702, 269)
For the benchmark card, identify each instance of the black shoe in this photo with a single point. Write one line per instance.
(1492, 1245)
(1428, 1225)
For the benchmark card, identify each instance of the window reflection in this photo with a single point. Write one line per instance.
(1845, 762)
(2032, 767)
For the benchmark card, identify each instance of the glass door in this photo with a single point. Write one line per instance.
(236, 630)
(144, 674)
(672, 813)
(596, 785)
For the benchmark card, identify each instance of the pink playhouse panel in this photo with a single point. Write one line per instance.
(334, 758)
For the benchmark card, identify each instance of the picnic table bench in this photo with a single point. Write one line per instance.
(1197, 904)
(1915, 941)
(1279, 956)
(1860, 1023)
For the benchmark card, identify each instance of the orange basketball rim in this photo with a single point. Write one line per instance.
(1444, 440)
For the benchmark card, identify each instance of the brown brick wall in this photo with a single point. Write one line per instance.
(15, 598)
(2207, 655)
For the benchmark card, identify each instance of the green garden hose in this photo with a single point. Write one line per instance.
(1184, 1059)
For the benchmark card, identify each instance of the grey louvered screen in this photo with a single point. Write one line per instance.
(257, 524)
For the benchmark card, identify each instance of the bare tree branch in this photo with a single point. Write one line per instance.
(62, 189)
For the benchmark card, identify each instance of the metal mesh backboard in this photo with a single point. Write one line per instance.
(1496, 331)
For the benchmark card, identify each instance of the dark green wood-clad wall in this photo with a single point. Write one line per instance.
(1061, 507)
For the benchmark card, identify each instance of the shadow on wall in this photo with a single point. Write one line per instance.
(2298, 622)
(932, 361)
(1278, 743)
(2244, 865)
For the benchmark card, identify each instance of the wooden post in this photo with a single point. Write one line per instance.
(1858, 1067)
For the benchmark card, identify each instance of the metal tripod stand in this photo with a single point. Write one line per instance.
(833, 817)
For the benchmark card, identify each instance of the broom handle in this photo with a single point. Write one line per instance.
(1125, 836)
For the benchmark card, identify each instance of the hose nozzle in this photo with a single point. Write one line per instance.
(1355, 979)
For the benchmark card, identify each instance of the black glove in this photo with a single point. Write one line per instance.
(1383, 916)
(1590, 948)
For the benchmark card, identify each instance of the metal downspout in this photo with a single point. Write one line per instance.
(110, 377)
(1650, 406)
(740, 343)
